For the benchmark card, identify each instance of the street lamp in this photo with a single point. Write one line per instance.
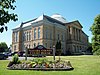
(54, 55)
(26, 52)
(54, 52)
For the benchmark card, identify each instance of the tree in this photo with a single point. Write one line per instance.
(95, 29)
(58, 49)
(5, 15)
(3, 47)
(89, 49)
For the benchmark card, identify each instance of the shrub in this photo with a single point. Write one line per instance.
(15, 60)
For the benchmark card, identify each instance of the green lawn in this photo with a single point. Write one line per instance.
(83, 65)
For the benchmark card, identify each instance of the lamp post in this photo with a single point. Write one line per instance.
(54, 52)
(26, 52)
(54, 55)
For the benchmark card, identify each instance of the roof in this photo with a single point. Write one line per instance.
(59, 18)
(54, 18)
(74, 22)
(28, 23)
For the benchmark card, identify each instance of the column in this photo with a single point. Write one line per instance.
(75, 33)
(78, 34)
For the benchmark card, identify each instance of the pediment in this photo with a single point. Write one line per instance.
(77, 23)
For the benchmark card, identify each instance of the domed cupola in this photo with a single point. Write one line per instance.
(59, 18)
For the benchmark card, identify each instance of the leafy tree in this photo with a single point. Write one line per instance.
(89, 49)
(95, 28)
(5, 15)
(3, 47)
(58, 49)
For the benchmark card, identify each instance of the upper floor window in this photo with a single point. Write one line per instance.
(35, 33)
(62, 37)
(69, 28)
(29, 35)
(46, 34)
(58, 36)
(38, 32)
(16, 36)
(50, 35)
(23, 36)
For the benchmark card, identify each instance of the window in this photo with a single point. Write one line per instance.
(69, 28)
(29, 36)
(46, 34)
(50, 35)
(24, 36)
(16, 37)
(62, 37)
(15, 47)
(45, 44)
(38, 43)
(50, 45)
(58, 36)
(34, 44)
(35, 33)
(29, 46)
(38, 32)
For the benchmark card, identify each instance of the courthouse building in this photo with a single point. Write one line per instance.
(47, 30)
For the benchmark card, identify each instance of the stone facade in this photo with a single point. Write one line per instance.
(46, 31)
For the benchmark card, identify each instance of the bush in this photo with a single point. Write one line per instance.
(15, 60)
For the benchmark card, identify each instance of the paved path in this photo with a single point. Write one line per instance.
(21, 58)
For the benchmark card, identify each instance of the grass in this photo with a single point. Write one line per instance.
(83, 65)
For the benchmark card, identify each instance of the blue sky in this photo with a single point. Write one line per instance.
(82, 10)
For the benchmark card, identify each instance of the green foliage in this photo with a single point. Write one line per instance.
(39, 60)
(3, 47)
(5, 15)
(15, 59)
(58, 45)
(58, 48)
(89, 49)
(95, 29)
